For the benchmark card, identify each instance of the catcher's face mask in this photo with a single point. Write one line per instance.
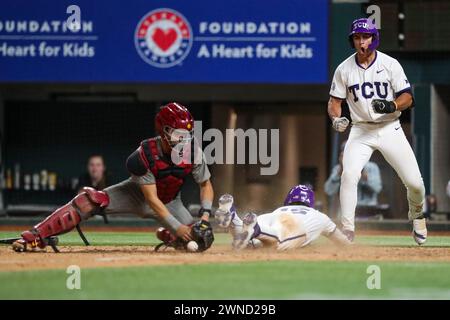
(177, 136)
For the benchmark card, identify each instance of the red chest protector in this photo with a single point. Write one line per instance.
(169, 177)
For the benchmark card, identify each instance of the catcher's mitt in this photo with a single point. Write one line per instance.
(202, 233)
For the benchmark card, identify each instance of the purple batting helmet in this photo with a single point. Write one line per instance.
(300, 194)
(364, 25)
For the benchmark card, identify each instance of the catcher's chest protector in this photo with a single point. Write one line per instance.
(169, 177)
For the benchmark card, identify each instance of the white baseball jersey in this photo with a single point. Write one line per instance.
(309, 222)
(383, 79)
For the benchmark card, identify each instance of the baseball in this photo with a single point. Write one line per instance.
(192, 246)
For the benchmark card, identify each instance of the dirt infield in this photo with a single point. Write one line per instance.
(113, 256)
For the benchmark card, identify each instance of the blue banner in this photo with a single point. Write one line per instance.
(143, 41)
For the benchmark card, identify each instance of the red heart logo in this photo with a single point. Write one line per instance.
(164, 39)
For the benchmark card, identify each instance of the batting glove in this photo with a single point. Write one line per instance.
(340, 124)
(383, 106)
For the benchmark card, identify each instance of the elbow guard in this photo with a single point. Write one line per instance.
(135, 164)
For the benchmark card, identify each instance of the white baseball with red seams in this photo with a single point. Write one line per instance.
(192, 246)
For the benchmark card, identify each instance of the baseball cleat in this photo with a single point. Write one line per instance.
(23, 246)
(249, 230)
(420, 230)
(349, 234)
(37, 245)
(226, 211)
(19, 245)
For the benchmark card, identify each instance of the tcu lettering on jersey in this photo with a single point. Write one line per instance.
(369, 90)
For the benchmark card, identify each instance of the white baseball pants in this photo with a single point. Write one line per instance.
(390, 140)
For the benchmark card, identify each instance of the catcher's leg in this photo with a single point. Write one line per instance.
(127, 196)
(63, 220)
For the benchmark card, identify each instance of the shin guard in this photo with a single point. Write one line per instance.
(66, 218)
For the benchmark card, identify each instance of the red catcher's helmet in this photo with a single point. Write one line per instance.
(175, 123)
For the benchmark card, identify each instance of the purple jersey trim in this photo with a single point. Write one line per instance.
(256, 231)
(292, 238)
(356, 60)
(397, 94)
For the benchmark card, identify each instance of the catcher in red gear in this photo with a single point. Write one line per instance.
(157, 169)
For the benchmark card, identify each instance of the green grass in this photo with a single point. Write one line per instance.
(149, 238)
(252, 280)
(112, 238)
(261, 280)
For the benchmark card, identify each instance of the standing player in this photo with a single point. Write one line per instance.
(377, 90)
(153, 189)
(295, 224)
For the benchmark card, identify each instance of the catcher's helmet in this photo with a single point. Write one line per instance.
(364, 25)
(174, 123)
(300, 194)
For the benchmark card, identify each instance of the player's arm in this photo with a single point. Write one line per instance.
(333, 233)
(206, 198)
(152, 199)
(147, 182)
(334, 112)
(338, 93)
(403, 101)
(371, 178)
(202, 176)
(334, 107)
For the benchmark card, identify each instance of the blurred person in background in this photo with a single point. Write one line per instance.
(369, 186)
(96, 176)
(430, 205)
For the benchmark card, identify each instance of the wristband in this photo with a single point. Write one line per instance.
(172, 222)
(206, 204)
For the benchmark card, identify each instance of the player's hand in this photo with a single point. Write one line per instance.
(383, 106)
(340, 124)
(184, 232)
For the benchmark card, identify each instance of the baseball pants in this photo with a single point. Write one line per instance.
(390, 140)
(127, 197)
